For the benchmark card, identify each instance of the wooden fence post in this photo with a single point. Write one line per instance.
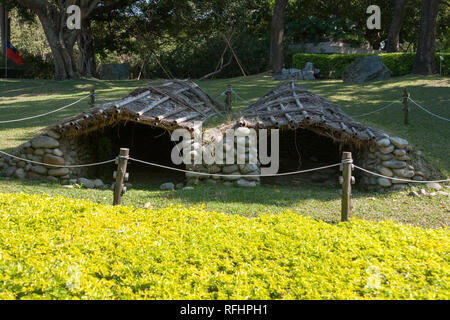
(229, 97)
(405, 105)
(121, 175)
(92, 102)
(346, 180)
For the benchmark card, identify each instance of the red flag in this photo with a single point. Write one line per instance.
(13, 54)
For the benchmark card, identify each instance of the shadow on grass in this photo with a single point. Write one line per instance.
(267, 195)
(318, 202)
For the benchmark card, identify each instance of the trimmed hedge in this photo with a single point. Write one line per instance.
(59, 248)
(332, 65)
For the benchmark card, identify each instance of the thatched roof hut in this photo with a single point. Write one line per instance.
(290, 106)
(176, 104)
(314, 131)
(142, 121)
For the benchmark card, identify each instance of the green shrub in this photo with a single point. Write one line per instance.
(58, 248)
(399, 63)
(332, 65)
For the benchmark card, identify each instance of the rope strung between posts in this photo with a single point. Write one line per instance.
(375, 111)
(57, 166)
(399, 179)
(428, 111)
(45, 114)
(232, 175)
(238, 96)
(234, 94)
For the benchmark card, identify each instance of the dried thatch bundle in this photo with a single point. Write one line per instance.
(290, 106)
(176, 104)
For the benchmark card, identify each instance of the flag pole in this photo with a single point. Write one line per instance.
(6, 42)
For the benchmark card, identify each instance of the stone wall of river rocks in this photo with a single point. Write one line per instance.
(239, 175)
(48, 149)
(45, 149)
(390, 157)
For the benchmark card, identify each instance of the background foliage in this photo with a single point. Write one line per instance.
(186, 36)
(332, 65)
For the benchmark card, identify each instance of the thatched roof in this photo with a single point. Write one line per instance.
(290, 106)
(176, 104)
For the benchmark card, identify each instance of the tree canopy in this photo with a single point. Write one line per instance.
(193, 38)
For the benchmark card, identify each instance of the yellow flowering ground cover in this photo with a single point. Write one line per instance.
(59, 248)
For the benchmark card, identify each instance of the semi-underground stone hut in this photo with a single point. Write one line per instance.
(313, 132)
(141, 121)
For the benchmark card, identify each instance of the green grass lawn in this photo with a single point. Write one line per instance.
(21, 98)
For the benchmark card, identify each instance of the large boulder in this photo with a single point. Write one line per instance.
(287, 74)
(44, 142)
(115, 71)
(53, 160)
(309, 71)
(370, 68)
(306, 74)
(167, 186)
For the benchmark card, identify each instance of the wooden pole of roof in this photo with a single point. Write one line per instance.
(405, 105)
(177, 100)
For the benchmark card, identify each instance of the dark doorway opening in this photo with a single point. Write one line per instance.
(302, 149)
(147, 143)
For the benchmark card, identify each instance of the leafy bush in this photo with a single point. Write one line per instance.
(399, 63)
(332, 65)
(58, 248)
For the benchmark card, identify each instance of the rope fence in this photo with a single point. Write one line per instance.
(232, 175)
(215, 174)
(428, 111)
(375, 111)
(57, 166)
(92, 95)
(47, 113)
(235, 94)
(278, 174)
(399, 179)
(121, 175)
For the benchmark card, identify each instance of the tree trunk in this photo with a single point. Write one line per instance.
(424, 62)
(87, 64)
(61, 42)
(276, 36)
(393, 42)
